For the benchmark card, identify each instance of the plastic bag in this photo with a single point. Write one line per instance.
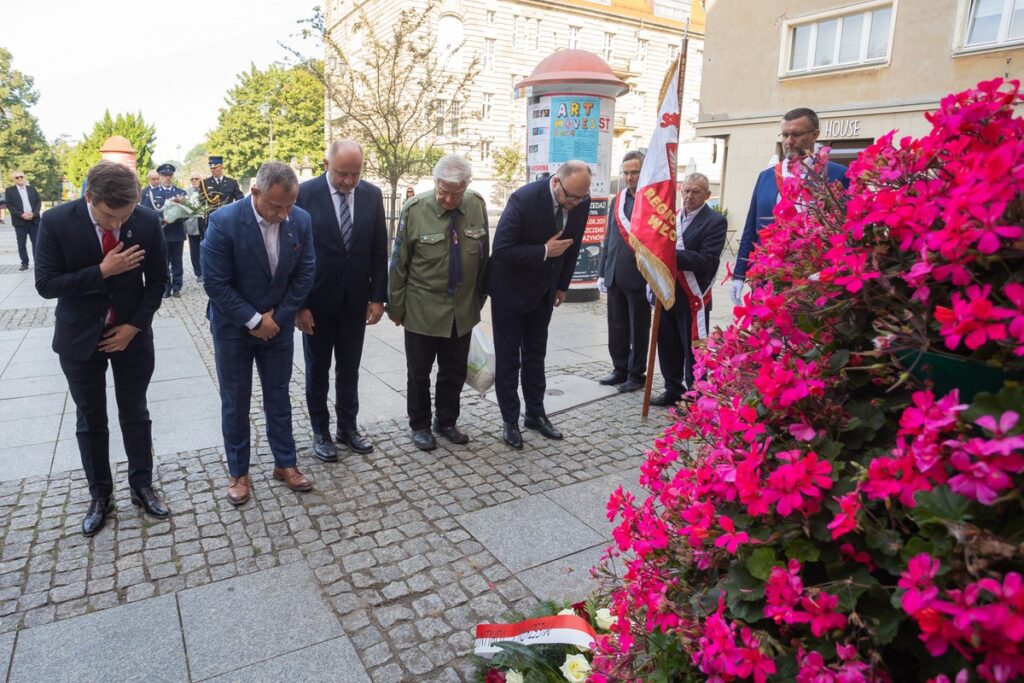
(480, 366)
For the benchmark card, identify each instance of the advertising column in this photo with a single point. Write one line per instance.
(570, 115)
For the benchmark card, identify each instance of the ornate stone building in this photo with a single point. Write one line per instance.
(637, 38)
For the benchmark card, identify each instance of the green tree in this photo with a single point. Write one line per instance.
(196, 161)
(281, 104)
(86, 153)
(509, 170)
(396, 94)
(22, 144)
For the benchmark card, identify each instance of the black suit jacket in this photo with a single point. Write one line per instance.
(68, 256)
(518, 276)
(703, 240)
(346, 279)
(13, 199)
(618, 260)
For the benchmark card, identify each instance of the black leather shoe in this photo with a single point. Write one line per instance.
(176, 294)
(424, 440)
(24, 266)
(630, 385)
(452, 433)
(96, 517)
(323, 448)
(665, 399)
(354, 440)
(543, 425)
(148, 500)
(511, 435)
(612, 379)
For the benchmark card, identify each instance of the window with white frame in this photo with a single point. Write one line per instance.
(490, 16)
(994, 22)
(641, 50)
(535, 34)
(488, 64)
(488, 102)
(609, 47)
(574, 37)
(438, 117)
(519, 32)
(453, 119)
(673, 53)
(485, 149)
(840, 41)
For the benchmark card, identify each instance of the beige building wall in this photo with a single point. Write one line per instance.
(637, 38)
(746, 91)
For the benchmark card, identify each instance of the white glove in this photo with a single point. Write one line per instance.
(736, 291)
(650, 295)
(601, 286)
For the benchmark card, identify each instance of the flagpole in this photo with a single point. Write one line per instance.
(656, 318)
(653, 347)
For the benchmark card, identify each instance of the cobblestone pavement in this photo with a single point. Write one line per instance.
(381, 533)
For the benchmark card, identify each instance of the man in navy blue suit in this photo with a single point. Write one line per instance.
(533, 258)
(258, 266)
(799, 133)
(103, 258)
(156, 198)
(348, 293)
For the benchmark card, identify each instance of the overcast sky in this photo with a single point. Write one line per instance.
(174, 62)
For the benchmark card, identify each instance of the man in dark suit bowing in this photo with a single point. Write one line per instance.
(629, 314)
(104, 260)
(701, 233)
(534, 255)
(258, 266)
(348, 293)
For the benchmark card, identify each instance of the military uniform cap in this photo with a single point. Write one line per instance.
(216, 161)
(165, 169)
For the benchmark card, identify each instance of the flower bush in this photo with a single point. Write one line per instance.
(825, 511)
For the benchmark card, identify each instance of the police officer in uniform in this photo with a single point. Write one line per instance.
(436, 291)
(174, 233)
(218, 190)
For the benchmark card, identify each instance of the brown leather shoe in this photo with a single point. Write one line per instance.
(293, 479)
(238, 490)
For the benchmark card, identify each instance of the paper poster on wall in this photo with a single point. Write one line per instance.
(575, 125)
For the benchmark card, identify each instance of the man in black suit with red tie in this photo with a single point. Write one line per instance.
(104, 259)
(532, 261)
(701, 237)
(351, 242)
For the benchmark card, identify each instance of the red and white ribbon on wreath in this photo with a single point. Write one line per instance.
(560, 629)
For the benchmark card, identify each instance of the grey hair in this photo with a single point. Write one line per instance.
(453, 169)
(339, 145)
(633, 154)
(700, 177)
(275, 173)
(571, 168)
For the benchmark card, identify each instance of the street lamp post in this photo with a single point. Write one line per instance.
(265, 110)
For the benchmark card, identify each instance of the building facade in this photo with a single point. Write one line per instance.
(866, 67)
(637, 38)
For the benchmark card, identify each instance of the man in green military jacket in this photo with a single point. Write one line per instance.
(436, 291)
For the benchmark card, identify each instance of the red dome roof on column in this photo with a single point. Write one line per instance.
(573, 66)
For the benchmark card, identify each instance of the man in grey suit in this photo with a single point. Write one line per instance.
(629, 314)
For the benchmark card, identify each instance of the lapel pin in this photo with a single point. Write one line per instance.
(129, 235)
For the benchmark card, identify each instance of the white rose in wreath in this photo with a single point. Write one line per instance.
(513, 676)
(604, 619)
(576, 668)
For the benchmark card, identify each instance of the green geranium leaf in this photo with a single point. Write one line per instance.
(939, 506)
(839, 359)
(802, 550)
(760, 563)
(740, 585)
(1008, 398)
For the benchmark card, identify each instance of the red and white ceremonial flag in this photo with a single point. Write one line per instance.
(652, 226)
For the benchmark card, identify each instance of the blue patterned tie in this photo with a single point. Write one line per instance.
(345, 220)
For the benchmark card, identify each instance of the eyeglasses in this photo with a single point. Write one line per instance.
(445, 192)
(18, 177)
(793, 136)
(570, 196)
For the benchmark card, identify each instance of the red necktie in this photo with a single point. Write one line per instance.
(109, 242)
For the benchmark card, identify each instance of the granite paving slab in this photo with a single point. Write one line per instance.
(246, 620)
(333, 660)
(587, 501)
(25, 461)
(528, 532)
(565, 392)
(32, 406)
(6, 649)
(140, 641)
(567, 578)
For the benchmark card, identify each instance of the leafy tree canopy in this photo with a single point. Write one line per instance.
(86, 153)
(22, 143)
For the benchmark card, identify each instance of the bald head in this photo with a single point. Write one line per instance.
(344, 164)
(571, 184)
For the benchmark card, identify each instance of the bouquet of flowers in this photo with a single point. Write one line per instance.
(185, 206)
(827, 511)
(546, 663)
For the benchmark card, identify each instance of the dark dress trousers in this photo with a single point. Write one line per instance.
(629, 314)
(67, 269)
(347, 280)
(24, 230)
(522, 286)
(238, 279)
(704, 240)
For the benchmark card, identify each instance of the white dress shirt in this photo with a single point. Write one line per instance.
(350, 197)
(684, 222)
(26, 206)
(271, 235)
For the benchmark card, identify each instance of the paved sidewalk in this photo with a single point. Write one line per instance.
(379, 574)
